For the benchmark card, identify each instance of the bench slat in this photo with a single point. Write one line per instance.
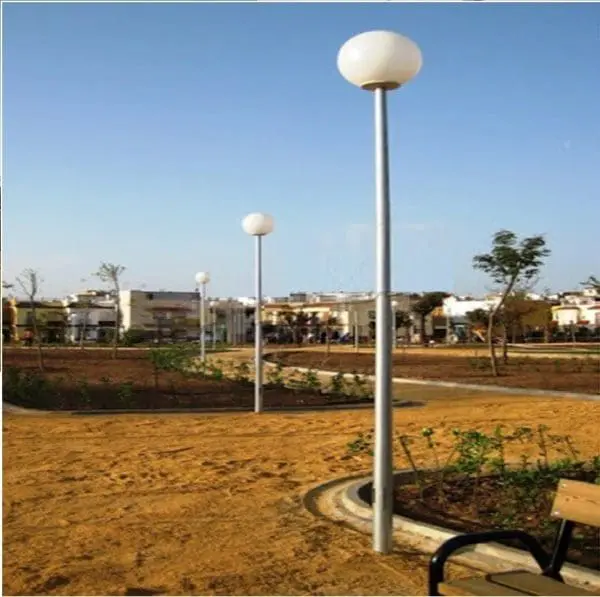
(476, 586)
(577, 501)
(535, 584)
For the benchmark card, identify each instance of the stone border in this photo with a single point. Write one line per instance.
(341, 500)
(451, 384)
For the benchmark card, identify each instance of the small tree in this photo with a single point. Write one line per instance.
(85, 308)
(329, 322)
(285, 320)
(516, 307)
(424, 306)
(300, 323)
(478, 320)
(29, 281)
(592, 281)
(110, 273)
(403, 321)
(314, 325)
(510, 263)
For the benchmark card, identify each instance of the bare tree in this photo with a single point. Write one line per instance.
(29, 281)
(110, 273)
(592, 281)
(85, 307)
(510, 263)
(330, 322)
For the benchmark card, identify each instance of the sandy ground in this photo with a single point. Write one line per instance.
(192, 504)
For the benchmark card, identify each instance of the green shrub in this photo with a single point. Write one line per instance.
(338, 384)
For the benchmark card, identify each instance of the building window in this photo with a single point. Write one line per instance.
(371, 314)
(150, 296)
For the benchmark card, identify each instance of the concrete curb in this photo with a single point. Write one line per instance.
(456, 385)
(341, 500)
(7, 407)
(11, 408)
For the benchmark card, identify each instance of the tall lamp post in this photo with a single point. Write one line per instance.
(258, 225)
(202, 279)
(380, 61)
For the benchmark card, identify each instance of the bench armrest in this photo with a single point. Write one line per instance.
(438, 560)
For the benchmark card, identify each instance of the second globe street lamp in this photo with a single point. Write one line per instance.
(380, 61)
(258, 225)
(202, 279)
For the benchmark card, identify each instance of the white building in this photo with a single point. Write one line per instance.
(178, 314)
(90, 314)
(578, 308)
(455, 309)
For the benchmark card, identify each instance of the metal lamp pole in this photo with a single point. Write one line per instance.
(258, 343)
(394, 326)
(199, 299)
(383, 472)
(258, 225)
(203, 322)
(202, 279)
(380, 61)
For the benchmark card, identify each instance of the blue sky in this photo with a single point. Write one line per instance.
(143, 133)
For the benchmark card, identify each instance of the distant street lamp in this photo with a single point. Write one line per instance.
(380, 61)
(258, 225)
(394, 328)
(213, 309)
(202, 279)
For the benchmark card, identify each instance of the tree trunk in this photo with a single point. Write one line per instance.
(491, 348)
(37, 337)
(504, 344)
(83, 331)
(423, 338)
(491, 320)
(117, 321)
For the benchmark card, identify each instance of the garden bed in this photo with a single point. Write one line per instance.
(139, 379)
(560, 374)
(498, 505)
(481, 480)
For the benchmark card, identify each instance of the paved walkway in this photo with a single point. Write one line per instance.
(325, 376)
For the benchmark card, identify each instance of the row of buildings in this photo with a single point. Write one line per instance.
(90, 316)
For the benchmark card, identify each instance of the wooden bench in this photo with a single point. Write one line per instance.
(575, 502)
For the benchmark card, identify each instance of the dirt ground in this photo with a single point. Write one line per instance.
(571, 375)
(91, 379)
(212, 504)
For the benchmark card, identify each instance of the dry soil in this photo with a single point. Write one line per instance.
(562, 374)
(212, 504)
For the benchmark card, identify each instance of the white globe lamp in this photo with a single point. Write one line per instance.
(379, 60)
(202, 278)
(258, 224)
